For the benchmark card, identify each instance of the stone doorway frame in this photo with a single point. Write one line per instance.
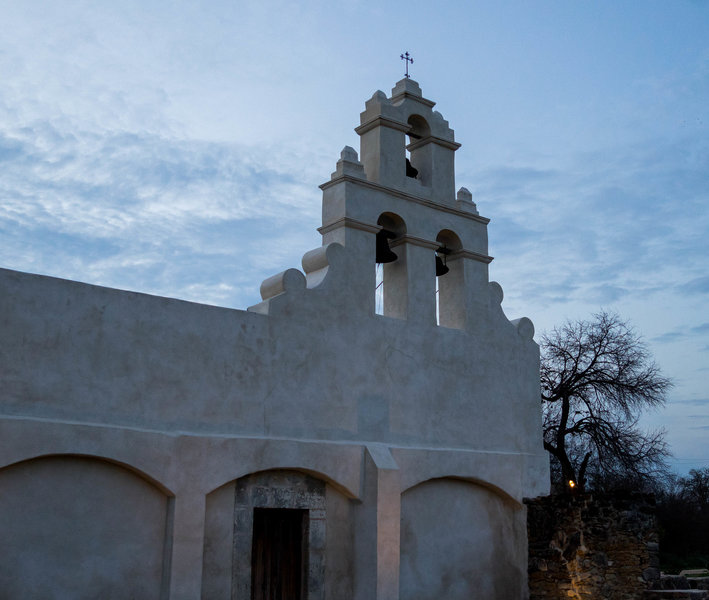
(279, 489)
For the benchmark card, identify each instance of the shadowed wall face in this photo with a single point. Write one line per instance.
(460, 541)
(80, 528)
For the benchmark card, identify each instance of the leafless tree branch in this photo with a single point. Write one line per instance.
(597, 377)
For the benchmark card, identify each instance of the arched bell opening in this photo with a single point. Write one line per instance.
(390, 296)
(450, 281)
(418, 151)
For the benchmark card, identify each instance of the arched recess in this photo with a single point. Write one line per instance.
(418, 149)
(450, 288)
(232, 513)
(82, 527)
(391, 292)
(460, 540)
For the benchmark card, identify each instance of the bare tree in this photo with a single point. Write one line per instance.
(695, 487)
(597, 377)
(683, 520)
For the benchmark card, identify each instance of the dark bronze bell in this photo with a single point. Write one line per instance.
(441, 268)
(411, 171)
(384, 253)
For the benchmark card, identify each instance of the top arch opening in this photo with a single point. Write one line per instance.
(419, 128)
(446, 238)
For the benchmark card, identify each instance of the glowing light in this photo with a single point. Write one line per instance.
(572, 483)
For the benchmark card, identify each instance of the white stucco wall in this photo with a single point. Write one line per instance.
(460, 541)
(191, 398)
(97, 525)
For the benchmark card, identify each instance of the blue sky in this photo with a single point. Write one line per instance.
(176, 148)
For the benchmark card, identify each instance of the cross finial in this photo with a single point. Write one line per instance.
(408, 60)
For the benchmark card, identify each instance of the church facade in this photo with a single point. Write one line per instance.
(368, 431)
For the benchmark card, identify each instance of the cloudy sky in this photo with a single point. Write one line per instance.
(176, 148)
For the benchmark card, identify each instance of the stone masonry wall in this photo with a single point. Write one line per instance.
(592, 546)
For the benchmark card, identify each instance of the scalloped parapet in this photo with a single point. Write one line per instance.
(497, 295)
(378, 106)
(525, 327)
(290, 279)
(406, 87)
(348, 165)
(291, 287)
(318, 262)
(464, 201)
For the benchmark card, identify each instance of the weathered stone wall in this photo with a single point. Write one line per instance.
(600, 546)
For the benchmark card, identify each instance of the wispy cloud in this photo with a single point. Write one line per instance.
(698, 285)
(696, 332)
(608, 221)
(670, 337)
(693, 401)
(148, 211)
(169, 149)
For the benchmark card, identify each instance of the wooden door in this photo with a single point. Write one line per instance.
(277, 554)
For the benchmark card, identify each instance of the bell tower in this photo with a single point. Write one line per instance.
(406, 122)
(402, 187)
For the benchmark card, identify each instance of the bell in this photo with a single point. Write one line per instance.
(384, 253)
(411, 171)
(441, 268)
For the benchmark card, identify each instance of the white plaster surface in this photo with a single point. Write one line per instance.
(459, 541)
(94, 522)
(189, 398)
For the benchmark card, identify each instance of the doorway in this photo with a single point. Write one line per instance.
(277, 554)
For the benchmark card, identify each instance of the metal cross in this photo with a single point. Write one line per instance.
(408, 60)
